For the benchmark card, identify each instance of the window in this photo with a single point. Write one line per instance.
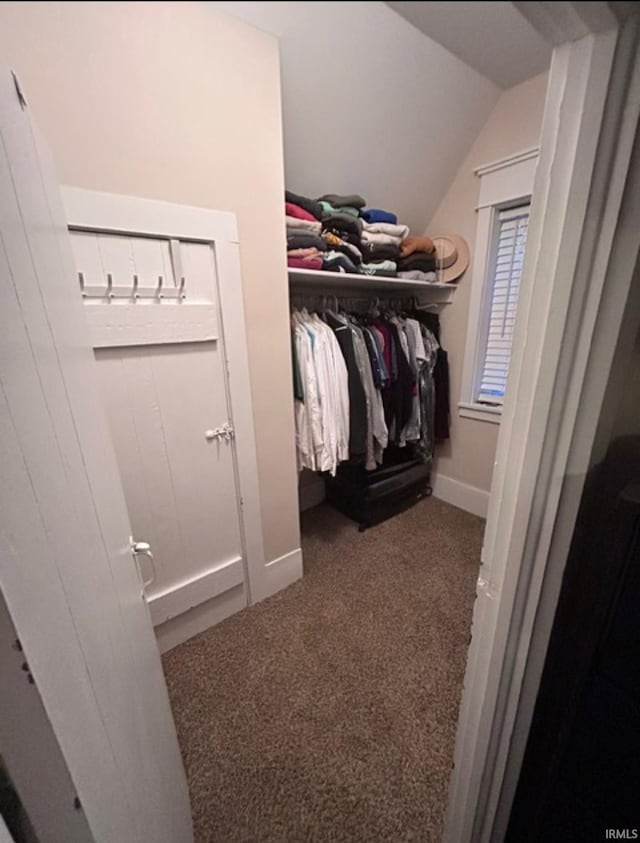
(503, 282)
(504, 198)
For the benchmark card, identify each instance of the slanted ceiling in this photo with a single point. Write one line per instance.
(370, 104)
(492, 37)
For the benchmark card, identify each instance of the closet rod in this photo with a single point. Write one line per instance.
(329, 301)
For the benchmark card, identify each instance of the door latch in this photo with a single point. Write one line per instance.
(225, 432)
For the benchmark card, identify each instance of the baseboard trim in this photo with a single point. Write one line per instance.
(278, 574)
(469, 498)
(200, 618)
(182, 596)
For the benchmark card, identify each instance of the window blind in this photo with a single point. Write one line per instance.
(504, 278)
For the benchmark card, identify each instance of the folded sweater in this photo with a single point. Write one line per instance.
(418, 260)
(309, 252)
(378, 215)
(338, 262)
(337, 200)
(417, 275)
(343, 222)
(372, 252)
(295, 224)
(304, 263)
(309, 205)
(328, 209)
(382, 239)
(334, 241)
(305, 240)
(293, 210)
(347, 236)
(401, 231)
(384, 268)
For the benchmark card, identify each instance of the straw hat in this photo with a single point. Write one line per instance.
(452, 256)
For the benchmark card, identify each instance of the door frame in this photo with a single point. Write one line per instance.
(581, 254)
(111, 213)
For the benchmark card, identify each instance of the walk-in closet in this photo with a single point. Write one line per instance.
(265, 266)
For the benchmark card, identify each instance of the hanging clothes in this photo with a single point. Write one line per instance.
(307, 411)
(363, 383)
(440, 377)
(357, 398)
(322, 418)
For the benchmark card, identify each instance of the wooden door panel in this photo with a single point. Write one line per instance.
(180, 487)
(66, 568)
(162, 398)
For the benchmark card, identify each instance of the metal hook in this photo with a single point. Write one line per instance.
(109, 285)
(134, 292)
(81, 280)
(181, 292)
(159, 287)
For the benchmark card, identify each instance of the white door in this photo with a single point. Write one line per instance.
(153, 308)
(67, 574)
(5, 837)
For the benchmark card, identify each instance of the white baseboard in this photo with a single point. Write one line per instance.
(199, 618)
(182, 596)
(278, 574)
(469, 498)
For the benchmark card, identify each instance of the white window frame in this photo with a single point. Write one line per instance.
(505, 183)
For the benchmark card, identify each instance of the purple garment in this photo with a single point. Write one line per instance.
(304, 263)
(378, 215)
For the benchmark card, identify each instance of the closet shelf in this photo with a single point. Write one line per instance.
(347, 282)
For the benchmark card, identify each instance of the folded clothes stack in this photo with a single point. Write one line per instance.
(417, 259)
(305, 246)
(337, 234)
(382, 242)
(342, 231)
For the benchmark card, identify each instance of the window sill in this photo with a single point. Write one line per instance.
(479, 412)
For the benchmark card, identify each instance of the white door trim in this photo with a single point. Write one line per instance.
(113, 213)
(577, 194)
(604, 328)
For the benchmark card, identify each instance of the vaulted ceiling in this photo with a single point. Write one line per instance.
(492, 37)
(373, 105)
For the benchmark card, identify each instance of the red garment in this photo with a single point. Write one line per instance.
(304, 263)
(384, 330)
(296, 211)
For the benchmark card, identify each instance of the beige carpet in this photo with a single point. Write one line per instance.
(328, 712)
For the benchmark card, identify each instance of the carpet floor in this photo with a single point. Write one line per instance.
(328, 712)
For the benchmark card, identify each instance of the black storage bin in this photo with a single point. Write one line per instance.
(370, 497)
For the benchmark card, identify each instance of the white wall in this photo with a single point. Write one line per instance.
(178, 101)
(370, 104)
(514, 125)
